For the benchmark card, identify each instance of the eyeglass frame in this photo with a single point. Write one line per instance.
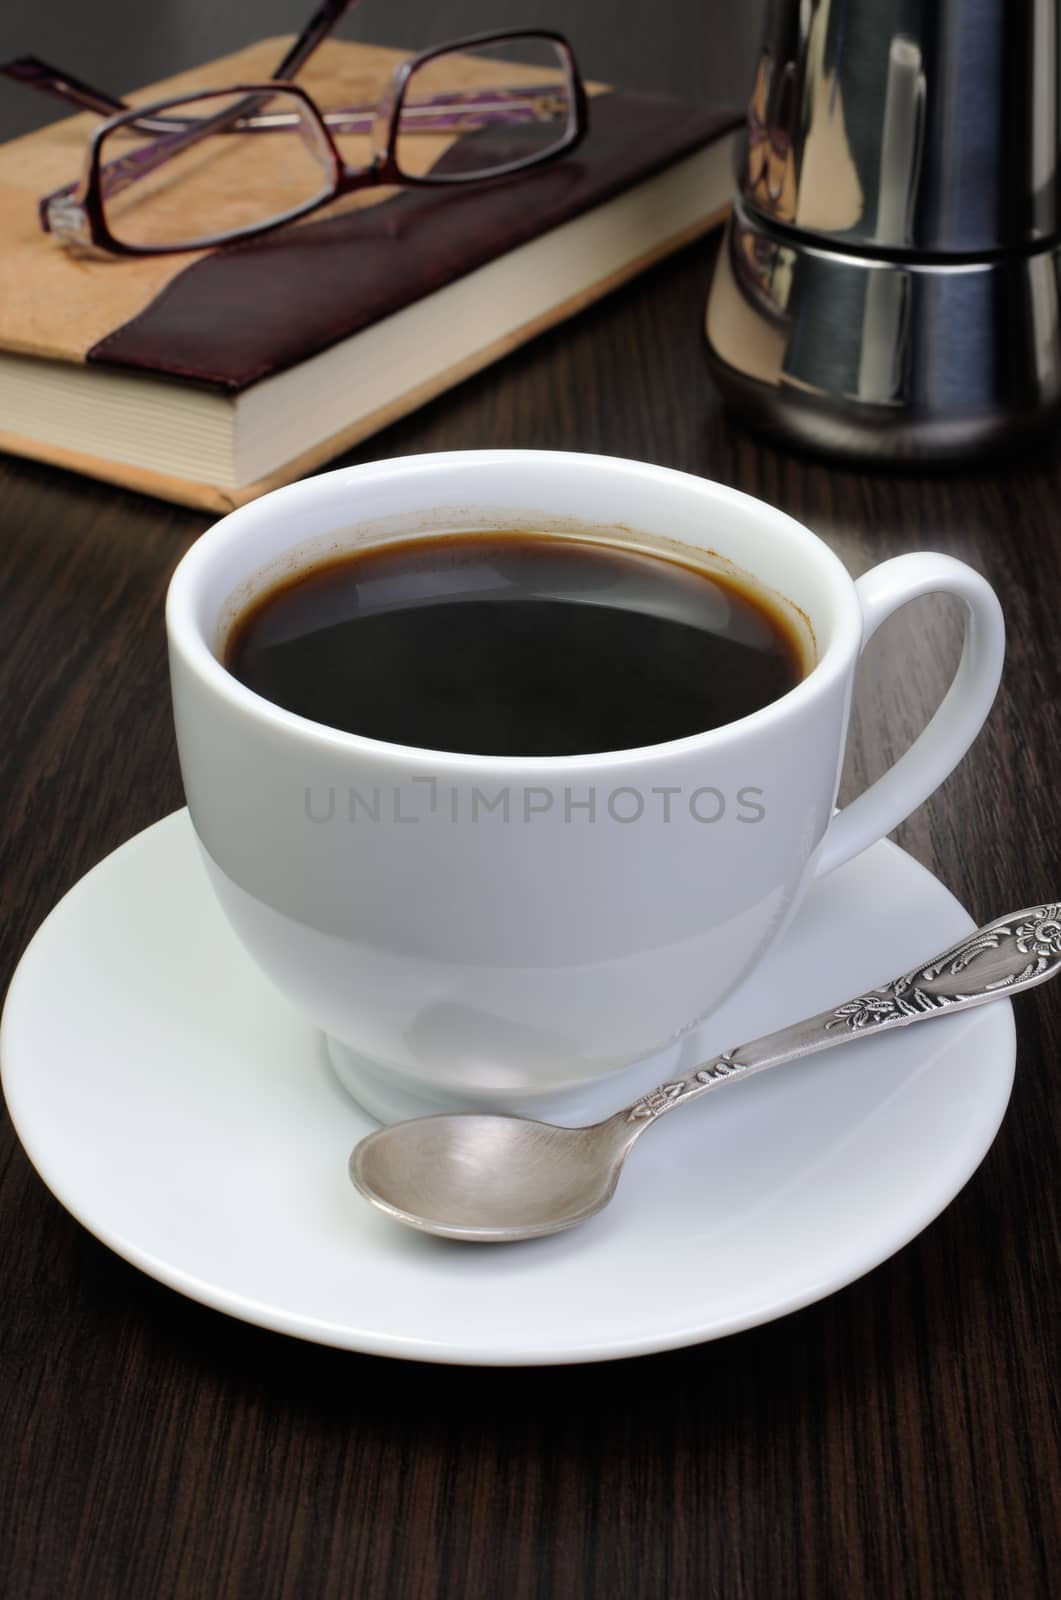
(76, 214)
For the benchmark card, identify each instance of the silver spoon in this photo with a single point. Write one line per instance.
(494, 1179)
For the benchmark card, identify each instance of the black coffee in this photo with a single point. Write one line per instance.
(513, 644)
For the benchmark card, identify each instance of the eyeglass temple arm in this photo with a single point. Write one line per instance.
(36, 74)
(314, 33)
(33, 73)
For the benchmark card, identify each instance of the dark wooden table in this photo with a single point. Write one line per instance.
(898, 1439)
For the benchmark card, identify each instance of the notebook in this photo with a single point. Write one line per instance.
(208, 378)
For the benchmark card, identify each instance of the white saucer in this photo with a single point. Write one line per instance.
(178, 1107)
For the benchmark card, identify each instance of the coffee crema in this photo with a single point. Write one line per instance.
(501, 643)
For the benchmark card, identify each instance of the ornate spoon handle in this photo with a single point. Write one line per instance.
(1006, 956)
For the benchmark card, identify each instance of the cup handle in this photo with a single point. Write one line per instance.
(961, 714)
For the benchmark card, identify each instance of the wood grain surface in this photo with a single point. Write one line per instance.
(898, 1439)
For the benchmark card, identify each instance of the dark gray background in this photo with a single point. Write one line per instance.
(695, 49)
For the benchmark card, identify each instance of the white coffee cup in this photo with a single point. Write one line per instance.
(474, 930)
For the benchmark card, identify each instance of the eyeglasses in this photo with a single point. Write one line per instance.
(211, 169)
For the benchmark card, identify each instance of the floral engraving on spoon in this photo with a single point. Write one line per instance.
(1041, 934)
(1037, 935)
(1013, 950)
(661, 1099)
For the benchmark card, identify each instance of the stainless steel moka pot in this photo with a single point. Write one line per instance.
(889, 282)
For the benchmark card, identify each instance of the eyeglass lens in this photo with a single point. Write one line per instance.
(510, 102)
(174, 189)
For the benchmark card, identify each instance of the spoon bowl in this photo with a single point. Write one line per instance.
(490, 1178)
